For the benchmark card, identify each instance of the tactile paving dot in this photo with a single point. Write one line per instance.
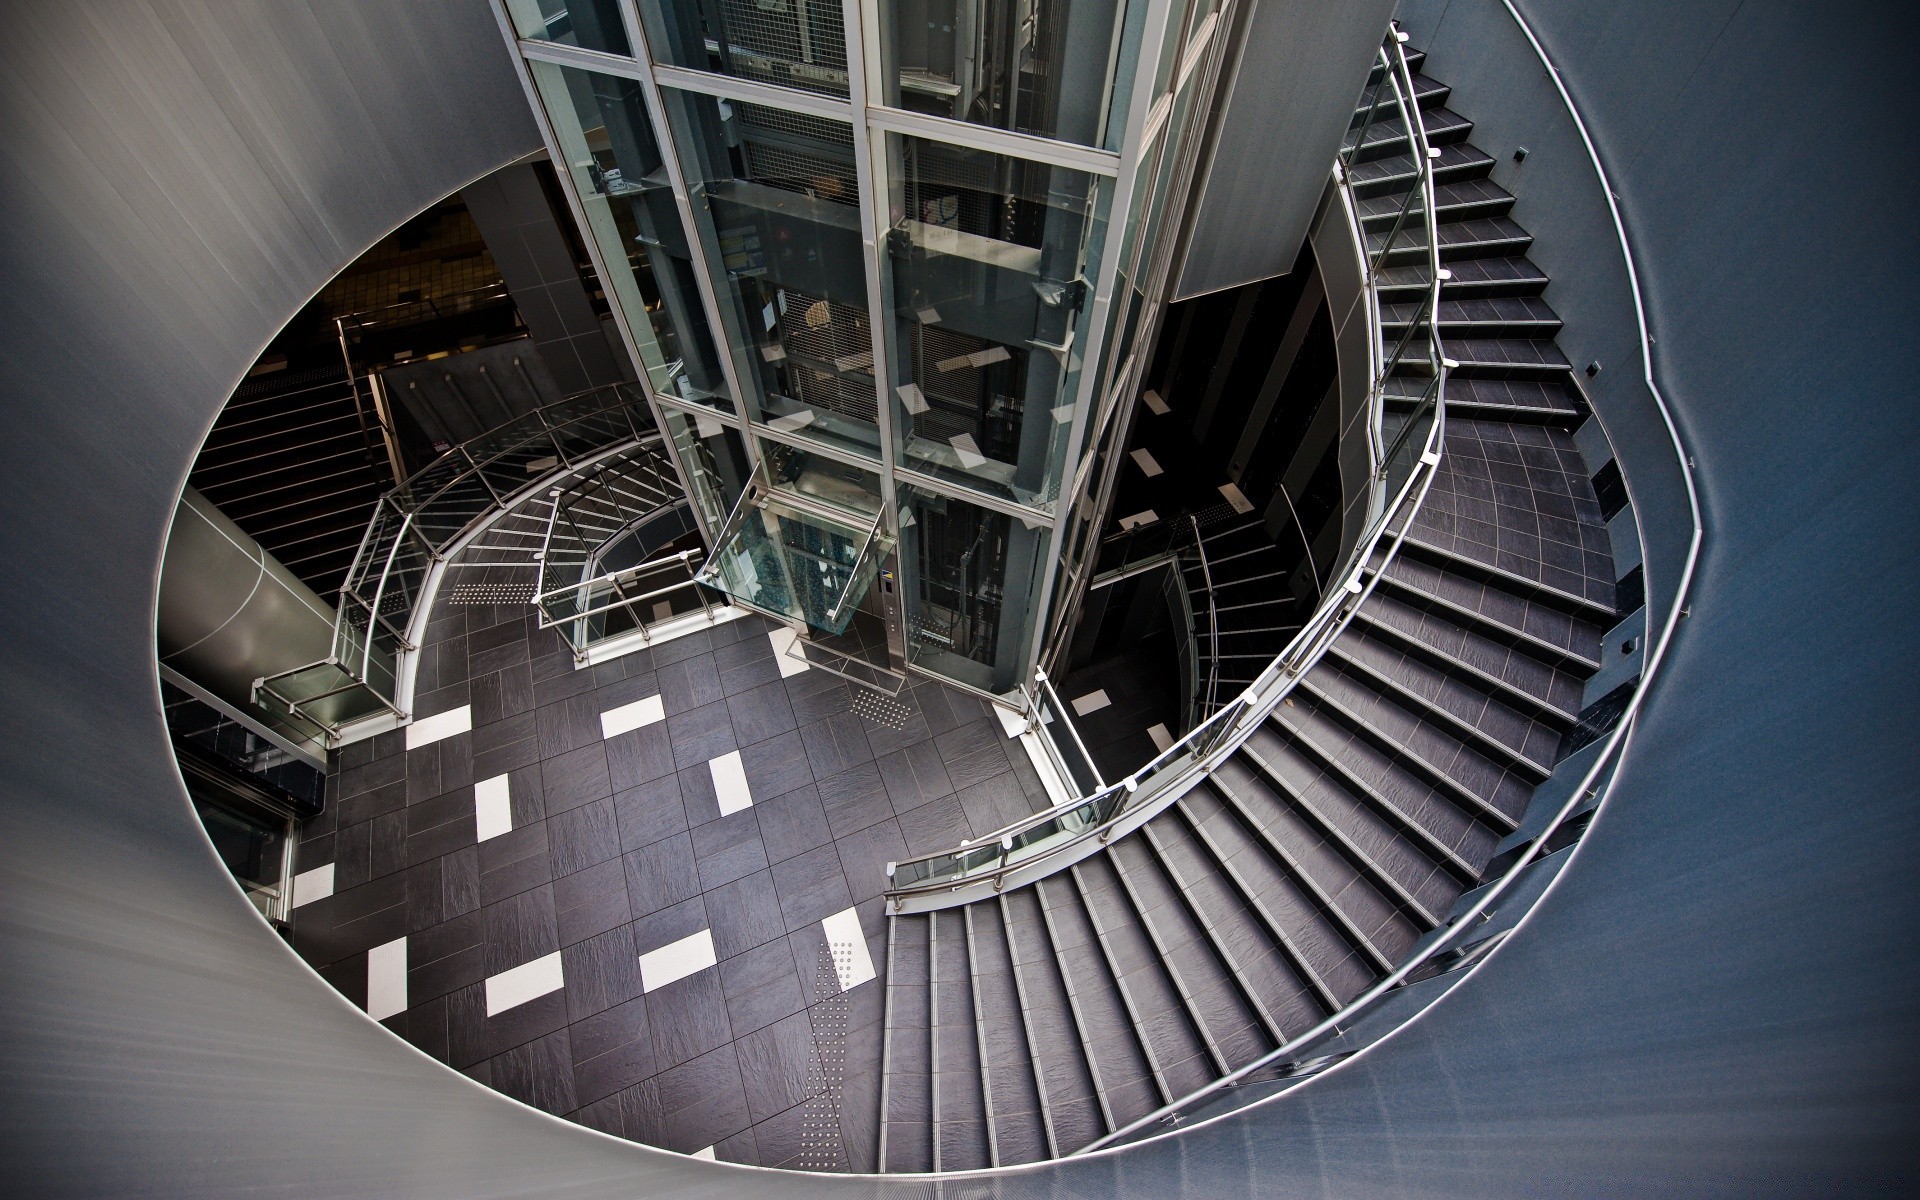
(491, 593)
(880, 708)
(822, 1147)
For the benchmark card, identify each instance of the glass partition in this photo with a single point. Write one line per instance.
(620, 177)
(777, 205)
(588, 24)
(970, 573)
(990, 261)
(797, 564)
(788, 43)
(715, 461)
(1051, 68)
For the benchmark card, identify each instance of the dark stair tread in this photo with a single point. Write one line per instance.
(1490, 316)
(1423, 542)
(1527, 400)
(1497, 275)
(1547, 631)
(1501, 356)
(1457, 160)
(1015, 1120)
(960, 1135)
(1066, 1063)
(1455, 200)
(1496, 666)
(1427, 92)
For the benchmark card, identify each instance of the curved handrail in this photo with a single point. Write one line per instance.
(1587, 789)
(1161, 780)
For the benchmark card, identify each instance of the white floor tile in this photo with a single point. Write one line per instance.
(1093, 701)
(730, 783)
(492, 808)
(783, 640)
(428, 730)
(676, 960)
(1161, 735)
(1145, 516)
(851, 959)
(628, 717)
(1148, 465)
(706, 1154)
(1154, 403)
(316, 884)
(528, 981)
(387, 979)
(1236, 498)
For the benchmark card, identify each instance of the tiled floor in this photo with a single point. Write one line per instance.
(610, 892)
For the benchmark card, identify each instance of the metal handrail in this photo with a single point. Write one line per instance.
(1213, 614)
(1210, 743)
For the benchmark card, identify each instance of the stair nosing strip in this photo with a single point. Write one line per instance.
(933, 1032)
(980, 1041)
(1467, 731)
(1527, 699)
(1570, 660)
(1552, 596)
(886, 1052)
(1248, 992)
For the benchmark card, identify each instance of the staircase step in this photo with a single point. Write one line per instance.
(1457, 161)
(1015, 1118)
(1546, 631)
(1369, 921)
(1427, 93)
(1124, 1063)
(1496, 317)
(1422, 543)
(1421, 887)
(961, 1139)
(1460, 200)
(1472, 278)
(1064, 1058)
(1420, 816)
(1486, 789)
(1505, 358)
(906, 1117)
(1516, 677)
(1472, 714)
(1519, 400)
(1182, 1053)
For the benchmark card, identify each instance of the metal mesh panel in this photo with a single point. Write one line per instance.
(963, 398)
(798, 152)
(829, 356)
(790, 43)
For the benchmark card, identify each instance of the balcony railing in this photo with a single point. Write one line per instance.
(415, 527)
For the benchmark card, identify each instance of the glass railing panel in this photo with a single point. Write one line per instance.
(796, 564)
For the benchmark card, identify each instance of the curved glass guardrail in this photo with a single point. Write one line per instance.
(1406, 414)
(413, 528)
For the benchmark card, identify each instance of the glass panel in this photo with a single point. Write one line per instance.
(778, 206)
(990, 260)
(1051, 68)
(789, 43)
(823, 480)
(602, 126)
(969, 576)
(797, 565)
(588, 24)
(253, 845)
(715, 463)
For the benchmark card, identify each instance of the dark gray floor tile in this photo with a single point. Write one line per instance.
(688, 1018)
(776, 766)
(601, 971)
(785, 1139)
(631, 688)
(581, 837)
(793, 823)
(729, 848)
(612, 1050)
(939, 825)
(446, 957)
(855, 799)
(816, 695)
(703, 1101)
(568, 725)
(774, 1064)
(378, 773)
(740, 1148)
(883, 740)
(365, 806)
(835, 744)
(700, 734)
(744, 914)
(575, 778)
(538, 1073)
(388, 845)
(811, 887)
(502, 694)
(640, 756)
(459, 882)
(914, 776)
(761, 986)
(745, 676)
(995, 803)
(974, 752)
(518, 727)
(649, 813)
(682, 648)
(424, 1026)
(689, 684)
(520, 929)
(661, 875)
(697, 796)
(506, 757)
(669, 925)
(864, 857)
(591, 902)
(760, 713)
(526, 795)
(737, 652)
(514, 862)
